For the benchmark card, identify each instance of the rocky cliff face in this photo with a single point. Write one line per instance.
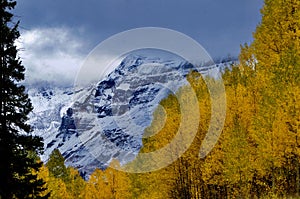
(67, 127)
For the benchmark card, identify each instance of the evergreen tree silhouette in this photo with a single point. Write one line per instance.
(18, 148)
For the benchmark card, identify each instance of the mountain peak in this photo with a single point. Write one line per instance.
(108, 120)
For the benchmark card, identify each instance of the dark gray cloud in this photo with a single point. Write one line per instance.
(219, 25)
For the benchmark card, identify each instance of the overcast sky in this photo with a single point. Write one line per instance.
(58, 34)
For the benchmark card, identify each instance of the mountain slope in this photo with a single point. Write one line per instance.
(92, 125)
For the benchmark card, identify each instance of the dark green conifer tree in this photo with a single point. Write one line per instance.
(56, 166)
(18, 147)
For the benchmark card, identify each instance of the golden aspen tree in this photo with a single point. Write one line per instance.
(165, 124)
(118, 181)
(109, 183)
(75, 183)
(277, 32)
(56, 186)
(44, 174)
(275, 57)
(97, 186)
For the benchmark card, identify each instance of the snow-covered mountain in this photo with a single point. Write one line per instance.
(92, 125)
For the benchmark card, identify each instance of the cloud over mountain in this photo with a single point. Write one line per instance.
(51, 55)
